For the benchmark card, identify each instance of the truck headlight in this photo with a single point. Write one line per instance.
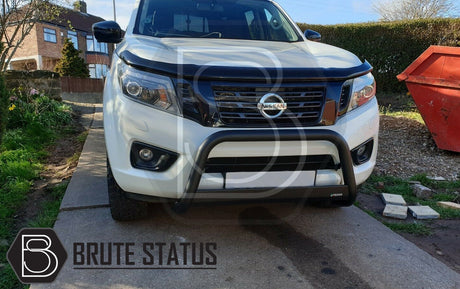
(150, 89)
(364, 89)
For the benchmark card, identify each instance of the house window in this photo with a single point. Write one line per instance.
(89, 43)
(92, 70)
(97, 70)
(50, 35)
(93, 45)
(72, 35)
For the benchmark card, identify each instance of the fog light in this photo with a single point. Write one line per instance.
(146, 155)
(150, 158)
(361, 150)
(362, 153)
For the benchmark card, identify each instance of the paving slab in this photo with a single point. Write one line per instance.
(423, 212)
(393, 199)
(85, 110)
(98, 120)
(438, 179)
(449, 205)
(395, 211)
(88, 186)
(90, 113)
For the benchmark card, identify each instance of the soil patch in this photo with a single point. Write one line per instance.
(59, 167)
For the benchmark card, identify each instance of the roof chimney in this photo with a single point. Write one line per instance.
(80, 6)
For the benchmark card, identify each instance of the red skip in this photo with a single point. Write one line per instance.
(433, 80)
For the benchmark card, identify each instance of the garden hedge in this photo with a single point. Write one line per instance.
(390, 46)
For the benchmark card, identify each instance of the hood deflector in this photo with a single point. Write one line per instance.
(244, 74)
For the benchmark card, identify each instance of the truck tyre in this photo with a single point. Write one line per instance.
(121, 207)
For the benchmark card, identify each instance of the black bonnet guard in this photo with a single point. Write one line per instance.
(244, 74)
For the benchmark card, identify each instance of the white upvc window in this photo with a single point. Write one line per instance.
(50, 35)
(73, 36)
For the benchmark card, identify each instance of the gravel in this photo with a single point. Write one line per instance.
(406, 148)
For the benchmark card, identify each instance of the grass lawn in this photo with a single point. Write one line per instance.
(444, 191)
(34, 124)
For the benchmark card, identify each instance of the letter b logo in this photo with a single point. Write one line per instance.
(37, 255)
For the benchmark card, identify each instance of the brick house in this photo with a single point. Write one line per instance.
(41, 49)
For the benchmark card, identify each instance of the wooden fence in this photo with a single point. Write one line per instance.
(81, 85)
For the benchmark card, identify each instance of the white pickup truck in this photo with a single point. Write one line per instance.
(228, 99)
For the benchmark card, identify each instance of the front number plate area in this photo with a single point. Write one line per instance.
(240, 180)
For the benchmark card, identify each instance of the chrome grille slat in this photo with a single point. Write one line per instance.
(238, 105)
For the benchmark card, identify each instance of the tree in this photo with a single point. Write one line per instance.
(392, 10)
(4, 97)
(17, 18)
(71, 64)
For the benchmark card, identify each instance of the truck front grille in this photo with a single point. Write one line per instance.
(237, 106)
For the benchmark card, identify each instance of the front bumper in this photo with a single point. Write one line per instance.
(126, 122)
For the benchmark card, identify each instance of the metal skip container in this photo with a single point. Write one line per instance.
(433, 80)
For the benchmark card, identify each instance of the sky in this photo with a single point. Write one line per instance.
(305, 11)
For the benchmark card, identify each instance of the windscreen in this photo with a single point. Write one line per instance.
(229, 19)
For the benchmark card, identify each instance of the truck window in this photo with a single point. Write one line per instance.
(228, 19)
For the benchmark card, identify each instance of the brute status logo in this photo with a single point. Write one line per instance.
(147, 255)
(36, 255)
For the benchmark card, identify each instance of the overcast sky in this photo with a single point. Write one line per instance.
(306, 11)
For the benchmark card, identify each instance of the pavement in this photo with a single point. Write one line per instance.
(271, 245)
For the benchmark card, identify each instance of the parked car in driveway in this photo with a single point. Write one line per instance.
(228, 99)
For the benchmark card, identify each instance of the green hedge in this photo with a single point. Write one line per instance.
(390, 46)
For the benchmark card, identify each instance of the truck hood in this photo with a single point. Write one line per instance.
(241, 60)
(239, 53)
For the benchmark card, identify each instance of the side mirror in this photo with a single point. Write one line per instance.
(108, 32)
(312, 35)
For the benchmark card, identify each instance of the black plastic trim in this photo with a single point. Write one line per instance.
(253, 195)
(288, 193)
(156, 165)
(244, 74)
(280, 163)
(272, 135)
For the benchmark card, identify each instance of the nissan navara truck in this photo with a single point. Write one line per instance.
(229, 100)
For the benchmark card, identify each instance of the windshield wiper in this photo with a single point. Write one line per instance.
(212, 34)
(164, 34)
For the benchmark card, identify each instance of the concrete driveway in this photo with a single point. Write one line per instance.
(255, 245)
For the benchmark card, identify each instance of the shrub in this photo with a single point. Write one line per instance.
(390, 46)
(71, 64)
(33, 109)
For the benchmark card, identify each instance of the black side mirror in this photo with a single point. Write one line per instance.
(312, 35)
(108, 32)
